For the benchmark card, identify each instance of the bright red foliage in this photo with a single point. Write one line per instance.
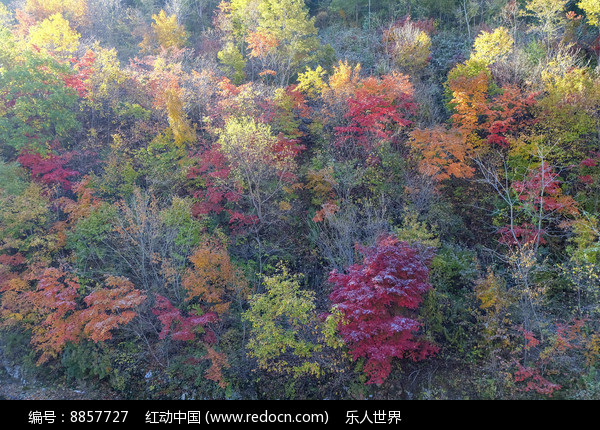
(531, 341)
(173, 321)
(376, 110)
(539, 193)
(521, 234)
(507, 114)
(209, 172)
(542, 190)
(48, 169)
(214, 196)
(534, 381)
(375, 299)
(83, 68)
(591, 162)
(287, 148)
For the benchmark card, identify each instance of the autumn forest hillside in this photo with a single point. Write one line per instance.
(320, 199)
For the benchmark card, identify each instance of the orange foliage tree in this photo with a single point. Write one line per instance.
(213, 279)
(59, 312)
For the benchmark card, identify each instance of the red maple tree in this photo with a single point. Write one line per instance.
(376, 111)
(48, 169)
(377, 300)
(174, 322)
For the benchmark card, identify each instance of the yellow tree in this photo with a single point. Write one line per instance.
(492, 47)
(165, 33)
(165, 81)
(284, 327)
(549, 16)
(281, 34)
(252, 149)
(183, 131)
(54, 34)
(311, 82)
(592, 11)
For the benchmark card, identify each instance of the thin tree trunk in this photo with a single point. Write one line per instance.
(467, 18)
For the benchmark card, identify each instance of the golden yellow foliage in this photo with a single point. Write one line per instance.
(311, 82)
(182, 129)
(492, 47)
(54, 34)
(343, 82)
(165, 33)
(592, 11)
